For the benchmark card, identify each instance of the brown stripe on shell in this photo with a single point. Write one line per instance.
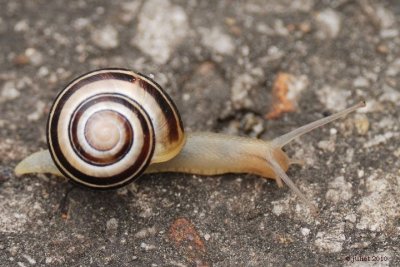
(167, 106)
(125, 177)
(73, 137)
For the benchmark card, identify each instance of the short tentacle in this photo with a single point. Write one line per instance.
(282, 176)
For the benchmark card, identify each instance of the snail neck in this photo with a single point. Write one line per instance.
(212, 153)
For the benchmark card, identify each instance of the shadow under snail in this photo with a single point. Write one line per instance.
(109, 126)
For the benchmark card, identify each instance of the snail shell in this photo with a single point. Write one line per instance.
(108, 125)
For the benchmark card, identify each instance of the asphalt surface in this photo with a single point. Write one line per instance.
(252, 68)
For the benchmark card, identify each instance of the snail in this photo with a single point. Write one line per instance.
(109, 126)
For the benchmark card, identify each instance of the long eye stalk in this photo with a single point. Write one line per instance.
(287, 138)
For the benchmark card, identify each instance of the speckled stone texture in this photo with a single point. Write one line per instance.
(220, 61)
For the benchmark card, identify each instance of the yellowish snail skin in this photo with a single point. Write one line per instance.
(167, 150)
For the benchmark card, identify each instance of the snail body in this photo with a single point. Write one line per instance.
(109, 126)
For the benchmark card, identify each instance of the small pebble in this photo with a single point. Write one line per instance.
(129, 10)
(385, 16)
(333, 98)
(21, 60)
(112, 224)
(329, 23)
(35, 57)
(331, 240)
(389, 33)
(106, 37)
(81, 23)
(339, 190)
(394, 68)
(185, 97)
(9, 92)
(397, 152)
(39, 111)
(253, 123)
(43, 71)
(162, 26)
(351, 218)
(305, 27)
(390, 94)
(327, 145)
(21, 26)
(31, 260)
(380, 139)
(280, 28)
(13, 250)
(382, 48)
(362, 123)
(361, 82)
(146, 232)
(147, 247)
(363, 244)
(218, 41)
(240, 90)
(305, 231)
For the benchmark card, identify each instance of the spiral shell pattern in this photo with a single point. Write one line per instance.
(107, 126)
